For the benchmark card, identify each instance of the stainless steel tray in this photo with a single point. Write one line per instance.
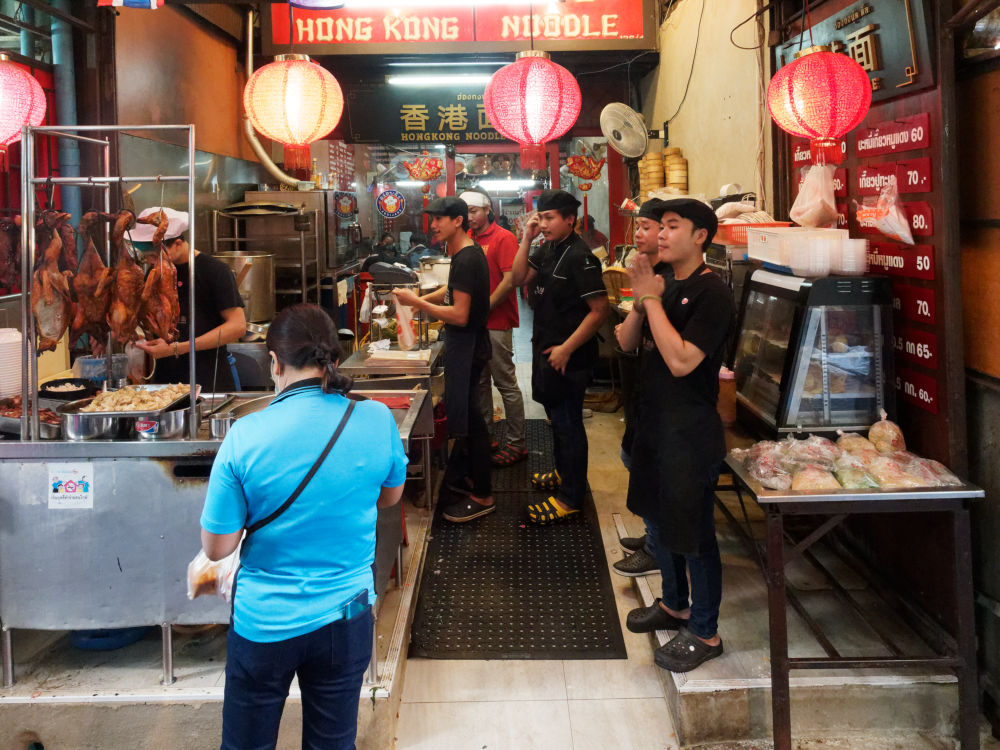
(76, 407)
(12, 425)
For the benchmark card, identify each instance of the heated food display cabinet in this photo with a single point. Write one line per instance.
(813, 355)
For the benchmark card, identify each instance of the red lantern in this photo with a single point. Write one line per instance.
(23, 102)
(293, 100)
(532, 101)
(821, 95)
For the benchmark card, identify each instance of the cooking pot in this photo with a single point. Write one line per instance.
(435, 270)
(255, 278)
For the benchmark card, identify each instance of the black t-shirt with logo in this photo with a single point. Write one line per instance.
(568, 275)
(470, 273)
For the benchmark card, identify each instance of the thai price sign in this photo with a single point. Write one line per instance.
(904, 134)
(918, 389)
(916, 347)
(914, 303)
(912, 261)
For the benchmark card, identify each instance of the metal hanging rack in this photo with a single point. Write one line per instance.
(29, 181)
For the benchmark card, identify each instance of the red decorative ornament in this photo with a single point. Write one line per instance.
(532, 101)
(821, 95)
(293, 100)
(23, 103)
(424, 169)
(585, 168)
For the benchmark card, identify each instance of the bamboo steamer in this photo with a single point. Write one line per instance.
(672, 151)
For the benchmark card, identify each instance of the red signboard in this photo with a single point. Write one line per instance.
(871, 179)
(913, 261)
(904, 134)
(914, 175)
(569, 21)
(916, 347)
(921, 218)
(914, 303)
(918, 389)
(801, 155)
(841, 216)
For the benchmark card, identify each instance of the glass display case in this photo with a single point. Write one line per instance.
(812, 354)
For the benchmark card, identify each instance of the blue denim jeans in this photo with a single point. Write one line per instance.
(569, 437)
(330, 663)
(705, 569)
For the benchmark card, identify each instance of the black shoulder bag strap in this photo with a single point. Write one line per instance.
(308, 477)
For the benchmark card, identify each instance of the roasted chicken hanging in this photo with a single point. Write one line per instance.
(67, 260)
(126, 294)
(161, 308)
(51, 303)
(10, 255)
(92, 285)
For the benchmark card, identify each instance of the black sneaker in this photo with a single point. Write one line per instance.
(639, 563)
(653, 617)
(467, 510)
(684, 652)
(633, 543)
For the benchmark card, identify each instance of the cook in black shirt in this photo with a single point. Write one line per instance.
(570, 303)
(678, 440)
(463, 305)
(219, 316)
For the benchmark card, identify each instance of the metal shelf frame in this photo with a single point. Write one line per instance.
(29, 182)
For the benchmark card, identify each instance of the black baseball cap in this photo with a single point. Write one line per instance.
(448, 206)
(557, 200)
(698, 213)
(652, 209)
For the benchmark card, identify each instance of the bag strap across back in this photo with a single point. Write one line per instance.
(308, 477)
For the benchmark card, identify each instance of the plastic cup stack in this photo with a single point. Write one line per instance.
(854, 258)
(10, 362)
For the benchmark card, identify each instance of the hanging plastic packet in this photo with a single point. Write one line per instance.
(885, 214)
(205, 577)
(405, 334)
(815, 205)
(365, 314)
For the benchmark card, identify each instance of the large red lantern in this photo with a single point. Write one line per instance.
(23, 102)
(821, 95)
(532, 101)
(293, 100)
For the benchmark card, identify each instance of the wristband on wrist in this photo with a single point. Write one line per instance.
(175, 349)
(643, 298)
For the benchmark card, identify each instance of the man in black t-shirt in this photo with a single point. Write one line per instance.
(570, 303)
(682, 325)
(218, 308)
(463, 305)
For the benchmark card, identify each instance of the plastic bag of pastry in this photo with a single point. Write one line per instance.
(205, 577)
(815, 205)
(944, 475)
(855, 479)
(852, 442)
(762, 463)
(404, 328)
(886, 214)
(814, 478)
(891, 475)
(813, 450)
(886, 435)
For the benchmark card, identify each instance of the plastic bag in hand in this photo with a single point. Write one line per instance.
(205, 577)
(365, 314)
(404, 328)
(815, 205)
(886, 214)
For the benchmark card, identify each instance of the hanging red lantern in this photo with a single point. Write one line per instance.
(821, 95)
(23, 102)
(532, 101)
(293, 100)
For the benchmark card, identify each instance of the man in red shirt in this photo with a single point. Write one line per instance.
(500, 247)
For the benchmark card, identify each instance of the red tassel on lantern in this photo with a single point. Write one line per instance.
(532, 101)
(821, 95)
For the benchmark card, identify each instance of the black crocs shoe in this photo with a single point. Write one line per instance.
(467, 510)
(654, 617)
(633, 543)
(684, 652)
(639, 563)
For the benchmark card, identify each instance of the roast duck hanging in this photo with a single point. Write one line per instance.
(92, 286)
(51, 301)
(161, 308)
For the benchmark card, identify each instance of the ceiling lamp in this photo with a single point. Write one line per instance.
(293, 100)
(532, 101)
(820, 95)
(23, 102)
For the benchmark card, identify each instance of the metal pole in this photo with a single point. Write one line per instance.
(109, 349)
(193, 407)
(27, 258)
(8, 658)
(168, 655)
(781, 717)
(302, 257)
(373, 664)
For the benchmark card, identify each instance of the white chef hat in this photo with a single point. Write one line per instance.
(475, 198)
(176, 226)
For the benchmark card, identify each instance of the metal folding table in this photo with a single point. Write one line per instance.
(957, 653)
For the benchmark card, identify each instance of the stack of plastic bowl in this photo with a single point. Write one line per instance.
(10, 362)
(853, 259)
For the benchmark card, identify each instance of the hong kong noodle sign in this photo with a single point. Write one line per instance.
(377, 29)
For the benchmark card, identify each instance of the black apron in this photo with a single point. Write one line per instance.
(675, 451)
(464, 353)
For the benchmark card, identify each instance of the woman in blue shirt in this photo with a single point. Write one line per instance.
(303, 594)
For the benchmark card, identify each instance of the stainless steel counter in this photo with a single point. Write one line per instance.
(358, 364)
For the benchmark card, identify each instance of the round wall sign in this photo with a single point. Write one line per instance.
(390, 203)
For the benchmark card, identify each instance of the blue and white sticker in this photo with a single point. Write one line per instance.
(390, 203)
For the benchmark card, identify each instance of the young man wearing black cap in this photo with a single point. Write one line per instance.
(500, 246)
(570, 304)
(679, 444)
(463, 306)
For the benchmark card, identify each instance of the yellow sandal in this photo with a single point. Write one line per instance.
(548, 511)
(548, 480)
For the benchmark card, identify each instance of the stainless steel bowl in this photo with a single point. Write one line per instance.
(77, 425)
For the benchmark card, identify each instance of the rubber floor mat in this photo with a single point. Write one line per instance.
(502, 588)
(538, 440)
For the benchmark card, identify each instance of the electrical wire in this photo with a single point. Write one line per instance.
(616, 65)
(756, 15)
(694, 56)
